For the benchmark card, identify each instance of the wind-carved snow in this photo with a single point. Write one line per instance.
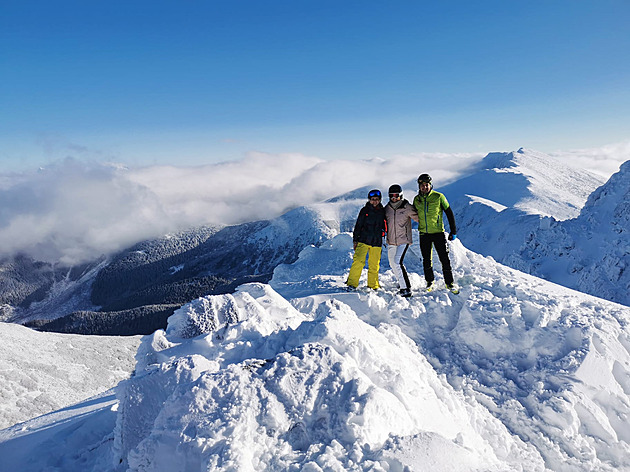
(590, 253)
(281, 391)
(515, 373)
(532, 182)
(535, 215)
(489, 203)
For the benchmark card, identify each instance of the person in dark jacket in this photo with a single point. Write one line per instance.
(430, 205)
(368, 241)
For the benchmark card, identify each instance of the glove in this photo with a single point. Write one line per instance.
(452, 237)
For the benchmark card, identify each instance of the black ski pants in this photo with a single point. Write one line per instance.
(427, 241)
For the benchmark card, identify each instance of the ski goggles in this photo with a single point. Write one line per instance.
(395, 195)
(374, 193)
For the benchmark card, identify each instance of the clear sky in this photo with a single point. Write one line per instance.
(196, 82)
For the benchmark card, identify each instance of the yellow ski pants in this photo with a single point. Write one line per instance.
(358, 262)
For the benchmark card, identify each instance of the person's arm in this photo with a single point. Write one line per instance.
(358, 228)
(451, 221)
(413, 213)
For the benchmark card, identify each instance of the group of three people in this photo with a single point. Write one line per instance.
(394, 219)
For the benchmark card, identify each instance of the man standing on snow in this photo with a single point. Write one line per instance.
(368, 240)
(430, 205)
(399, 213)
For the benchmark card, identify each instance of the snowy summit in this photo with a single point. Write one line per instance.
(514, 373)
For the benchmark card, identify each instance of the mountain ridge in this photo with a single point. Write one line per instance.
(503, 209)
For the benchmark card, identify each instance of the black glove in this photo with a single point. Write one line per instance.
(452, 236)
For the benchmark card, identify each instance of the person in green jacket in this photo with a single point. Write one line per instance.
(430, 206)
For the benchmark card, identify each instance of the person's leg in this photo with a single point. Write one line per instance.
(396, 254)
(426, 250)
(403, 269)
(358, 262)
(393, 262)
(441, 247)
(374, 263)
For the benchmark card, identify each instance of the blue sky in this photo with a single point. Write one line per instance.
(196, 82)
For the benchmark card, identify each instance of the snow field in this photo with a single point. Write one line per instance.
(66, 369)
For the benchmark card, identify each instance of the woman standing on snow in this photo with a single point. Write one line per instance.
(368, 241)
(399, 213)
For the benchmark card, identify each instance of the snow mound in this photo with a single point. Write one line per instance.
(552, 364)
(513, 374)
(328, 392)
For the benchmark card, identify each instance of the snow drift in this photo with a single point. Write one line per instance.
(513, 374)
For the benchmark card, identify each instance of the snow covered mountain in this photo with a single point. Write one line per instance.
(504, 208)
(513, 374)
(548, 220)
(135, 291)
(531, 182)
(512, 194)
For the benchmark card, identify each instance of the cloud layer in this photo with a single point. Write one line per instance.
(76, 210)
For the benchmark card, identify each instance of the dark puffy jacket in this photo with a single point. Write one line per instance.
(370, 226)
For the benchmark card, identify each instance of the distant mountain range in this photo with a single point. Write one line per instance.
(136, 290)
(523, 208)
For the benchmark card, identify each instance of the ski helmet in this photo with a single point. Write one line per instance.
(374, 193)
(395, 189)
(424, 178)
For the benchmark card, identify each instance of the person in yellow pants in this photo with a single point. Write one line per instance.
(367, 239)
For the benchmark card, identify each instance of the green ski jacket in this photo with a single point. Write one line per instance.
(430, 210)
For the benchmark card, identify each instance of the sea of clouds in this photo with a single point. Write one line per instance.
(75, 210)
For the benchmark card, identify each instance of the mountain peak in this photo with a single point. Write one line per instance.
(499, 160)
(522, 157)
(530, 181)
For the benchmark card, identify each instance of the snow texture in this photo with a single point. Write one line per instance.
(541, 217)
(514, 373)
(43, 372)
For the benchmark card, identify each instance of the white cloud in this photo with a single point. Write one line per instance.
(604, 161)
(76, 210)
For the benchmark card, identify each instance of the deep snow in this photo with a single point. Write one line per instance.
(515, 373)
(539, 216)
